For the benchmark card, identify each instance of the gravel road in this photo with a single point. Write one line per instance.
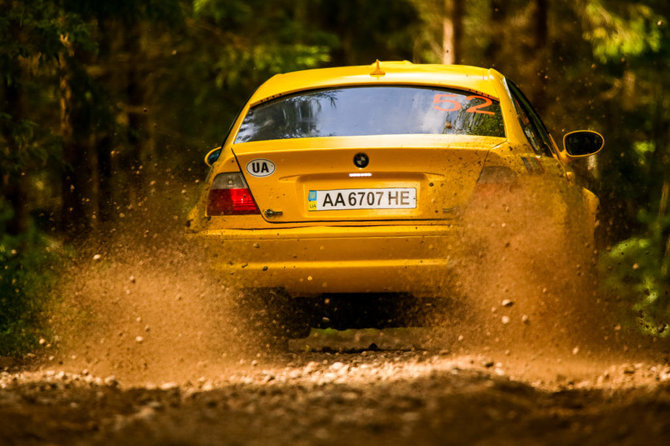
(356, 396)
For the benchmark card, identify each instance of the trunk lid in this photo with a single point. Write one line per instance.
(407, 177)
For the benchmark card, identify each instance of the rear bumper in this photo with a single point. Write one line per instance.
(314, 260)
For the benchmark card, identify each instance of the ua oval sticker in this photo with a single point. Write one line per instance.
(260, 168)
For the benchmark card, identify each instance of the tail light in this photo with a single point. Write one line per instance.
(494, 179)
(230, 195)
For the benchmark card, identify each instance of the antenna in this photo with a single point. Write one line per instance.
(378, 70)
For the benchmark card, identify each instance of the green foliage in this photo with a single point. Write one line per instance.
(625, 33)
(25, 277)
(638, 270)
(33, 29)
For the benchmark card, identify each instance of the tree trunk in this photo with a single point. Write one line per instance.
(13, 179)
(540, 56)
(138, 149)
(75, 131)
(104, 202)
(659, 162)
(495, 49)
(452, 31)
(541, 17)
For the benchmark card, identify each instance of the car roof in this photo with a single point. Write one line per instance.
(475, 79)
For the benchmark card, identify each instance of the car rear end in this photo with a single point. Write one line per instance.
(350, 182)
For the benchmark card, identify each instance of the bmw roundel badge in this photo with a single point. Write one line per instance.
(361, 160)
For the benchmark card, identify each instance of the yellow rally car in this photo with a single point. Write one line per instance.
(340, 187)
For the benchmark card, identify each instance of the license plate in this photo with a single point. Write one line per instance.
(338, 199)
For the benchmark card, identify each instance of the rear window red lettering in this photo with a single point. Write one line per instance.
(478, 108)
(442, 98)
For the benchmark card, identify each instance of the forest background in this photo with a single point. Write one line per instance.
(109, 106)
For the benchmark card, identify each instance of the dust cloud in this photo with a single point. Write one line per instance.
(527, 287)
(145, 309)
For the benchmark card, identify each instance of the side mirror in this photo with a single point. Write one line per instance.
(582, 143)
(212, 156)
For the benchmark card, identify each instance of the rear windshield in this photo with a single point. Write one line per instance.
(376, 110)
